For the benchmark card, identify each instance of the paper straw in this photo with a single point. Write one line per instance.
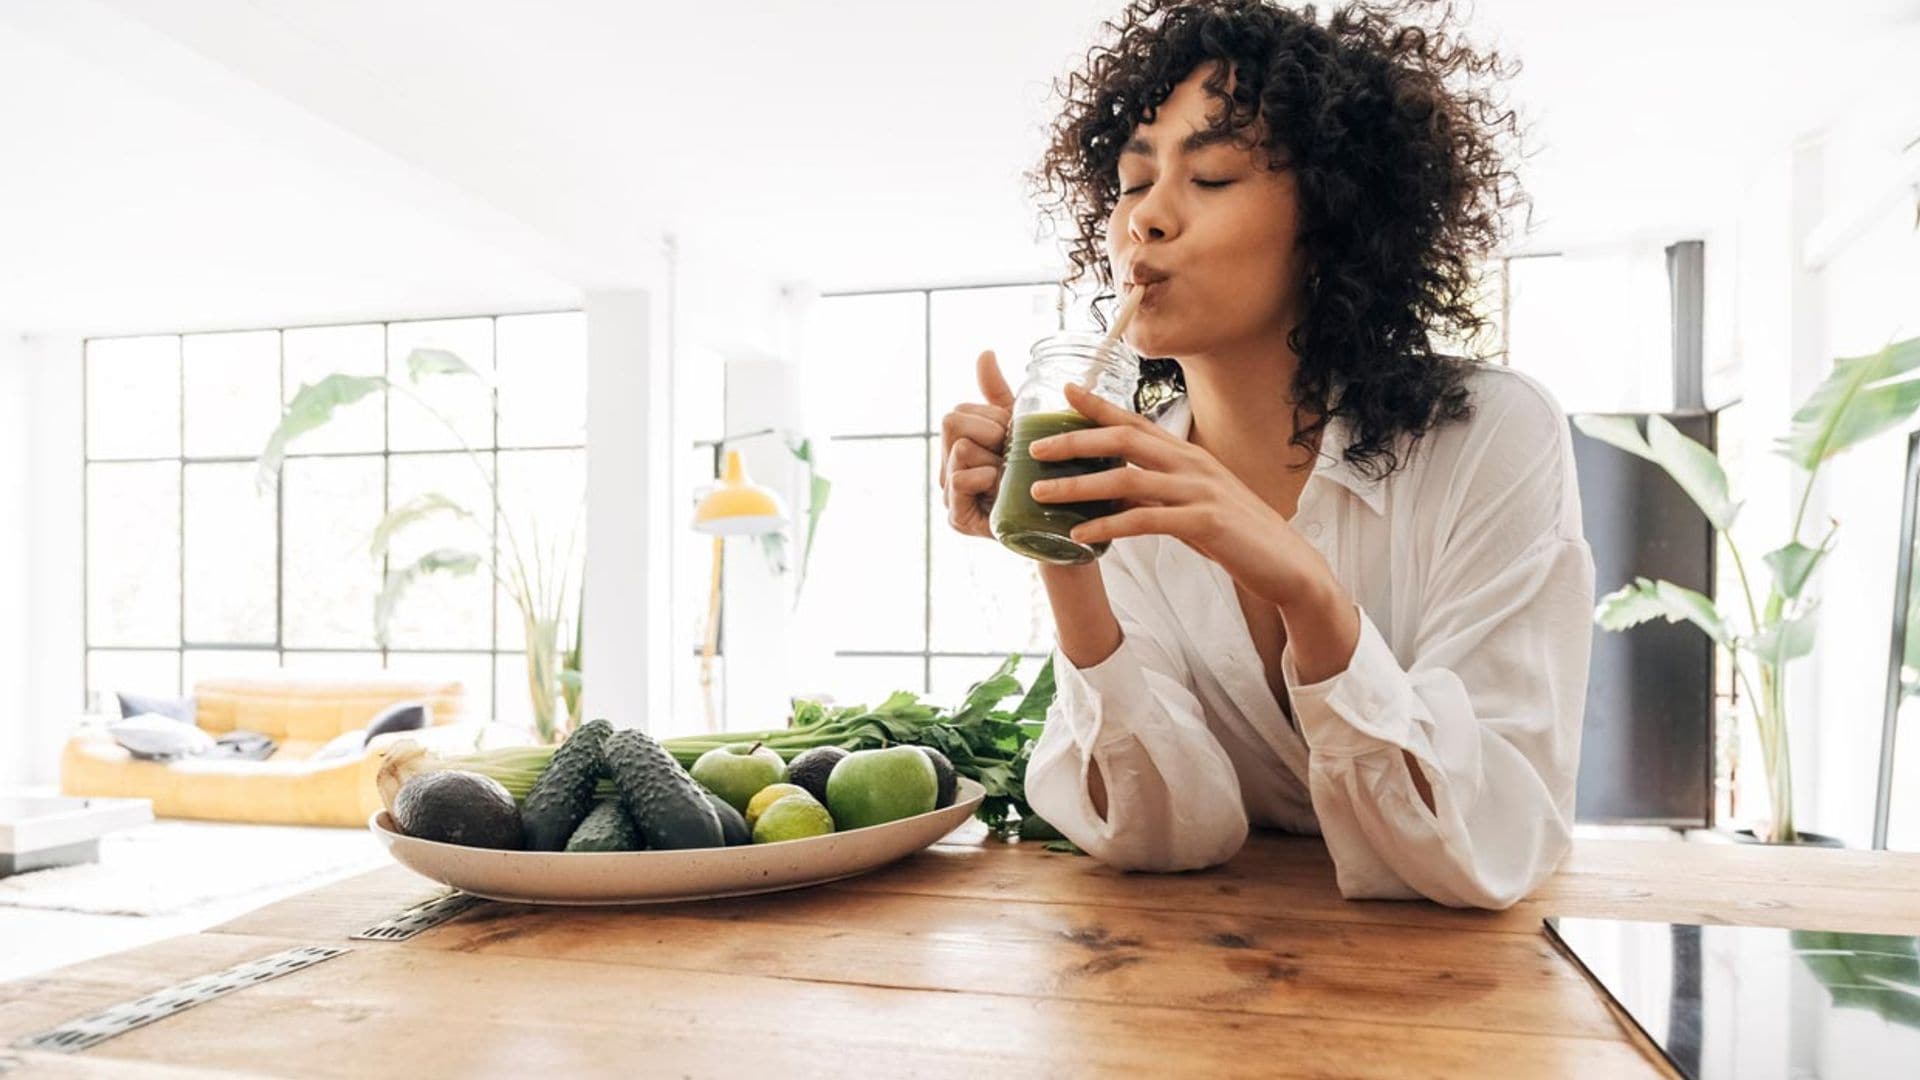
(1129, 304)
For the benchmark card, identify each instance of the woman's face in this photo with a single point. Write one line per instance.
(1210, 227)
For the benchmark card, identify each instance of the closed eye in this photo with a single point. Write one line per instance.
(1208, 184)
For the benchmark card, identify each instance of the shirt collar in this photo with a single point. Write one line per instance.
(1176, 417)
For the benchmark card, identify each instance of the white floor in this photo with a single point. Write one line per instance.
(33, 941)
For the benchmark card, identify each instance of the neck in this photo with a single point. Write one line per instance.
(1242, 402)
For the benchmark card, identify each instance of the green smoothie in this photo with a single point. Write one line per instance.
(1040, 530)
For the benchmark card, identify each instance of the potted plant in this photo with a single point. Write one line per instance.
(1861, 397)
(540, 574)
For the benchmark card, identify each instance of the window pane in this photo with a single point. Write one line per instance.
(542, 508)
(473, 670)
(985, 598)
(871, 548)
(347, 665)
(111, 671)
(466, 402)
(332, 506)
(230, 556)
(133, 397)
(543, 379)
(440, 611)
(232, 392)
(226, 664)
(965, 321)
(133, 554)
(867, 680)
(314, 353)
(866, 364)
(953, 676)
(1596, 328)
(512, 699)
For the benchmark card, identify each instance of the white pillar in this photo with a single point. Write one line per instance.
(54, 653)
(16, 510)
(629, 436)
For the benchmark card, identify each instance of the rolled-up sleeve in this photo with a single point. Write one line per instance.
(1135, 714)
(1488, 705)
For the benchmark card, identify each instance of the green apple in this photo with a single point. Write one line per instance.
(792, 817)
(737, 771)
(873, 787)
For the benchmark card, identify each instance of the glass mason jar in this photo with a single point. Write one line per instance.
(1041, 530)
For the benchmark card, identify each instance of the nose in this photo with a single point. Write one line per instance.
(1154, 217)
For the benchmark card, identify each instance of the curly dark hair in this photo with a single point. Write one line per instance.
(1400, 150)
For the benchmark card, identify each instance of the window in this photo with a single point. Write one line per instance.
(192, 572)
(931, 611)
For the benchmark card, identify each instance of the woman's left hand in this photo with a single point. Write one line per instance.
(1178, 489)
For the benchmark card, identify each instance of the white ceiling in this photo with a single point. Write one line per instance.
(201, 162)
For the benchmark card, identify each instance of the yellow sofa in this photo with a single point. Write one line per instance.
(301, 714)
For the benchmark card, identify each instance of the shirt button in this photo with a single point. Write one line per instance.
(1313, 529)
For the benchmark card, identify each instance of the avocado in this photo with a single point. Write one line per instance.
(943, 775)
(670, 809)
(1035, 827)
(606, 828)
(563, 793)
(453, 807)
(811, 769)
(732, 824)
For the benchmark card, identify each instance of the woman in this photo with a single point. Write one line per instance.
(1348, 591)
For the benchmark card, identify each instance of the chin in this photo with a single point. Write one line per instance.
(1155, 337)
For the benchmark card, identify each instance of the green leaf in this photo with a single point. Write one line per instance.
(818, 489)
(1788, 639)
(416, 509)
(1691, 465)
(773, 546)
(985, 694)
(1631, 605)
(1039, 697)
(424, 362)
(1792, 566)
(311, 408)
(1861, 397)
(438, 561)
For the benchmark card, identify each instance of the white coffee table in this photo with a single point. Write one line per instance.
(39, 831)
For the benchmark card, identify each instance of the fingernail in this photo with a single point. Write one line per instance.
(1041, 488)
(1039, 446)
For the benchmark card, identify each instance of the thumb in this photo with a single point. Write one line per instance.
(992, 383)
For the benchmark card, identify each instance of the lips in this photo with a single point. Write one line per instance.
(1143, 274)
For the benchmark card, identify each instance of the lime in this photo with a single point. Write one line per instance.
(767, 796)
(792, 817)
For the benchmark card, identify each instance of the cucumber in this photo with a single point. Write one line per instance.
(563, 794)
(607, 828)
(670, 809)
(732, 825)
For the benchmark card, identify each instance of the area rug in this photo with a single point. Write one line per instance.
(170, 866)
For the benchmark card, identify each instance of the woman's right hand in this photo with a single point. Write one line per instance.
(973, 438)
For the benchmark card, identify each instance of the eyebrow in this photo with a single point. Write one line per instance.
(1195, 141)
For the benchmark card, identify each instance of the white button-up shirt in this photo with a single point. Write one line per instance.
(1475, 592)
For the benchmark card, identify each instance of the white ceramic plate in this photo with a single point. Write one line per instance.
(652, 877)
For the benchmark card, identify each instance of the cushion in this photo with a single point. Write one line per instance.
(244, 746)
(152, 737)
(406, 716)
(344, 745)
(177, 708)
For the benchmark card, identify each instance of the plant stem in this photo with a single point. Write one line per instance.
(1746, 587)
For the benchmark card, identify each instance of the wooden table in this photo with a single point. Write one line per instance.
(974, 958)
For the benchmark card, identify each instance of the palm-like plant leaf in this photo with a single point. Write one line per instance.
(1861, 397)
(1633, 604)
(1792, 565)
(1691, 465)
(438, 561)
(311, 408)
(409, 512)
(1788, 639)
(818, 488)
(424, 362)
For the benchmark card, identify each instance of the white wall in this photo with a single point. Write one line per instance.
(16, 626)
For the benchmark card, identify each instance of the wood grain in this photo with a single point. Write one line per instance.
(972, 958)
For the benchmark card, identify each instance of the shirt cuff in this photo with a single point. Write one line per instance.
(1090, 701)
(1362, 707)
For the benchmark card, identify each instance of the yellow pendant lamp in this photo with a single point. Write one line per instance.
(735, 507)
(739, 507)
